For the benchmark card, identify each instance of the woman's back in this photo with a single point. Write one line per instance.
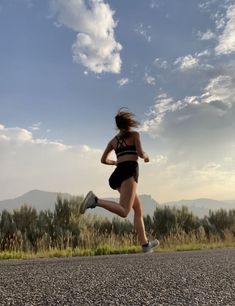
(124, 146)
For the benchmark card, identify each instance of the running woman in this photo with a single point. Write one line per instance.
(127, 146)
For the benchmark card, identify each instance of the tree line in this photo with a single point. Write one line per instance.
(25, 229)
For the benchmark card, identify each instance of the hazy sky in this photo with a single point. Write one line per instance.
(66, 66)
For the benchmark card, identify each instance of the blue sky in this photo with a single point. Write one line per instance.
(68, 65)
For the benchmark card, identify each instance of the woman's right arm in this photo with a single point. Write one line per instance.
(139, 148)
(104, 159)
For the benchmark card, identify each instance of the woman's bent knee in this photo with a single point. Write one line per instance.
(124, 213)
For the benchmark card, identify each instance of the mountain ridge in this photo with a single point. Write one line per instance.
(42, 200)
(202, 206)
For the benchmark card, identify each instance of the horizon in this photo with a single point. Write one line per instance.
(142, 194)
(68, 66)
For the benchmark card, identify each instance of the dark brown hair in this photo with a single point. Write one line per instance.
(125, 120)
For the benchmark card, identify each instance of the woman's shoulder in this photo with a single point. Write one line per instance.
(135, 134)
(113, 140)
(131, 133)
(126, 135)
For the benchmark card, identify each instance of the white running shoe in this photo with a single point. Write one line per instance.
(150, 246)
(88, 202)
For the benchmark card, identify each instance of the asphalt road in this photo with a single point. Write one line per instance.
(183, 278)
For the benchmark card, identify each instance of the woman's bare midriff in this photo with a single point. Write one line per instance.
(127, 158)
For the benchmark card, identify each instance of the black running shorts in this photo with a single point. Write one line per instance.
(123, 171)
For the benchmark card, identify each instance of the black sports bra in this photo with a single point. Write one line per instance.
(123, 148)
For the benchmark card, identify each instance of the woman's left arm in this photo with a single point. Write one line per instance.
(104, 158)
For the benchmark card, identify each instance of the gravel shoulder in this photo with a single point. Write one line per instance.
(180, 278)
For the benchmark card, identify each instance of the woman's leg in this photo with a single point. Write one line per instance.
(139, 221)
(127, 197)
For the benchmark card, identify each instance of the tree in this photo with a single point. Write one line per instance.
(186, 220)
(122, 227)
(222, 220)
(25, 220)
(164, 220)
(7, 229)
(148, 223)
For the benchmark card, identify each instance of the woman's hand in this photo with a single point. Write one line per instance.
(146, 158)
(139, 148)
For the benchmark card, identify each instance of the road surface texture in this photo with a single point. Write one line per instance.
(183, 278)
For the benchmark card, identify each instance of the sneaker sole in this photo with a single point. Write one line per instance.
(84, 203)
(148, 252)
(151, 250)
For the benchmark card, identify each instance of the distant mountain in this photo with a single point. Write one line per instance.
(201, 207)
(42, 200)
(36, 198)
(231, 202)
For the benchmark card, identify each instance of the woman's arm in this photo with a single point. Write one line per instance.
(139, 148)
(104, 158)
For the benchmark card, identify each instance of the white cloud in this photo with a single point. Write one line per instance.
(157, 113)
(143, 30)
(204, 5)
(35, 126)
(203, 53)
(187, 62)
(159, 159)
(149, 79)
(208, 35)
(220, 89)
(123, 82)
(16, 135)
(95, 46)
(155, 3)
(226, 44)
(163, 64)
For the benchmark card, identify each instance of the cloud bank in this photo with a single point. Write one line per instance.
(28, 162)
(226, 44)
(199, 133)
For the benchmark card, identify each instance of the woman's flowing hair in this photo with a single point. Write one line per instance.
(125, 120)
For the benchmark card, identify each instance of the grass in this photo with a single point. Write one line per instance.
(107, 249)
(197, 246)
(92, 244)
